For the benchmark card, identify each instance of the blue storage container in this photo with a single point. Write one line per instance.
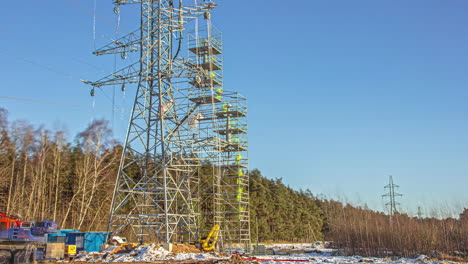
(60, 236)
(94, 240)
(86, 241)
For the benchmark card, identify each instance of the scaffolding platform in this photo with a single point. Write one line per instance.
(211, 66)
(231, 131)
(232, 148)
(205, 100)
(205, 83)
(230, 114)
(223, 115)
(204, 50)
(233, 166)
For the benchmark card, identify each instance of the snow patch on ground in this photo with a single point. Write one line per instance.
(142, 253)
(315, 258)
(319, 252)
(320, 255)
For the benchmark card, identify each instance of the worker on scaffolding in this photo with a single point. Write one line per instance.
(219, 93)
(226, 107)
(240, 190)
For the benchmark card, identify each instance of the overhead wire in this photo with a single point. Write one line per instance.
(94, 25)
(73, 77)
(117, 30)
(43, 66)
(88, 12)
(78, 60)
(94, 45)
(60, 53)
(180, 35)
(58, 103)
(93, 13)
(69, 18)
(115, 66)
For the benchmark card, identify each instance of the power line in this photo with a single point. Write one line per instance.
(57, 103)
(43, 66)
(68, 18)
(63, 55)
(87, 11)
(60, 53)
(94, 35)
(52, 70)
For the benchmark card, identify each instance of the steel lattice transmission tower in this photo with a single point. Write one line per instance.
(392, 204)
(184, 163)
(420, 213)
(155, 197)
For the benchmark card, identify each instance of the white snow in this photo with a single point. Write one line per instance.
(143, 253)
(315, 258)
(321, 254)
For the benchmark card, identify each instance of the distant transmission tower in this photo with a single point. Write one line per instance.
(391, 194)
(184, 163)
(420, 213)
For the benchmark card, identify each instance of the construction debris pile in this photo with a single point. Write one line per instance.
(176, 248)
(148, 253)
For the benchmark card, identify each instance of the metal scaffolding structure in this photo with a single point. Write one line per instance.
(235, 180)
(184, 163)
(222, 122)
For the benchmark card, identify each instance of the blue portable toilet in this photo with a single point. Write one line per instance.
(86, 241)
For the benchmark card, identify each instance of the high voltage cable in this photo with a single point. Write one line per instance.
(62, 54)
(52, 70)
(68, 18)
(87, 11)
(81, 24)
(43, 66)
(57, 103)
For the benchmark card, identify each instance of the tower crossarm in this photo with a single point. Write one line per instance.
(129, 74)
(126, 2)
(207, 4)
(185, 14)
(192, 12)
(127, 43)
(131, 41)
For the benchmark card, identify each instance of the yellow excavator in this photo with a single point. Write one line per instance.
(209, 242)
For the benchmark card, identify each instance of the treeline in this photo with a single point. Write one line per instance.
(280, 213)
(44, 176)
(365, 232)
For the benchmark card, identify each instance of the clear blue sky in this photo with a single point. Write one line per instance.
(341, 93)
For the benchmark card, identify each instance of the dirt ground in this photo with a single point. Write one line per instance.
(184, 249)
(155, 262)
(233, 260)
